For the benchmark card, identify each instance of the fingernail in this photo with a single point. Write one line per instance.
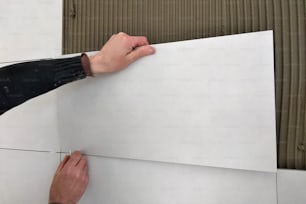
(152, 50)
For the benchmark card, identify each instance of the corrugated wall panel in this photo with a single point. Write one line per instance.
(88, 24)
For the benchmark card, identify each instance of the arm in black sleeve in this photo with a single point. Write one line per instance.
(21, 82)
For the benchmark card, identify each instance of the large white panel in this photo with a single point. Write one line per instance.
(26, 176)
(30, 29)
(291, 187)
(205, 102)
(120, 181)
(32, 125)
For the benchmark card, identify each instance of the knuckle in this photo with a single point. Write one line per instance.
(124, 38)
(78, 177)
(122, 34)
(76, 154)
(65, 174)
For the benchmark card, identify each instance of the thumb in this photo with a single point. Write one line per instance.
(140, 52)
(62, 164)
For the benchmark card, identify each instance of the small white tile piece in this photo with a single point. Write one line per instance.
(204, 102)
(291, 186)
(31, 125)
(26, 176)
(122, 181)
(30, 29)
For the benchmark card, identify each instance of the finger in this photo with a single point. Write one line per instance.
(74, 158)
(62, 164)
(85, 177)
(137, 41)
(82, 163)
(85, 171)
(141, 52)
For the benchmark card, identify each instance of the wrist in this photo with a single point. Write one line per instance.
(98, 65)
(86, 64)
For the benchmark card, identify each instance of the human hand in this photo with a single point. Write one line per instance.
(70, 180)
(119, 51)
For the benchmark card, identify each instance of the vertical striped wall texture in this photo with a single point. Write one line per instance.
(89, 23)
